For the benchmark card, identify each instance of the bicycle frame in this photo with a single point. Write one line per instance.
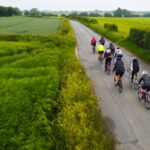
(135, 79)
(93, 48)
(119, 84)
(145, 96)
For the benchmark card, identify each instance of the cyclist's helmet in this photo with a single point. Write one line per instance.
(108, 50)
(144, 72)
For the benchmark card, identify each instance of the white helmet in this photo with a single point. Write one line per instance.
(144, 72)
(133, 58)
(108, 51)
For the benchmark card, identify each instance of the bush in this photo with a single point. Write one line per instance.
(111, 27)
(140, 37)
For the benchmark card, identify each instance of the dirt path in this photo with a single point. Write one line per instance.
(126, 116)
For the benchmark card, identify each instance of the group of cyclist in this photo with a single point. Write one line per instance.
(119, 69)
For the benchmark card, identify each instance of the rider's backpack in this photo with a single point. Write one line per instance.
(136, 67)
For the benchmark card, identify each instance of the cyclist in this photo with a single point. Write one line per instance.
(100, 49)
(93, 41)
(118, 53)
(146, 81)
(102, 41)
(107, 56)
(112, 48)
(119, 69)
(134, 66)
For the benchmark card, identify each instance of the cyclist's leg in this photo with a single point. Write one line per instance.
(132, 76)
(106, 64)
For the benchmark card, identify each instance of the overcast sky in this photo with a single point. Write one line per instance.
(140, 5)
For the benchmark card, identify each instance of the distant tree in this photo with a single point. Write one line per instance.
(146, 15)
(17, 11)
(83, 14)
(26, 12)
(107, 15)
(92, 14)
(118, 13)
(126, 13)
(9, 11)
(73, 14)
(34, 12)
(43, 13)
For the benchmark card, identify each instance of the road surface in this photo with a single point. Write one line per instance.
(124, 114)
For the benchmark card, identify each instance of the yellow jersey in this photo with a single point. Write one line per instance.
(100, 48)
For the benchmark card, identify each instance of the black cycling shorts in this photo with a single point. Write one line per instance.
(120, 73)
(100, 52)
(93, 43)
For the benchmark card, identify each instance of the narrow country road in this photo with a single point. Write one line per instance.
(125, 115)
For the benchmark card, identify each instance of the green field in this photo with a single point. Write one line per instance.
(28, 25)
(124, 24)
(45, 98)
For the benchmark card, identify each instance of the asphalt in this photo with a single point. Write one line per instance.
(125, 116)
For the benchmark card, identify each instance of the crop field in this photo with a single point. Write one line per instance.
(124, 24)
(25, 95)
(28, 25)
(45, 98)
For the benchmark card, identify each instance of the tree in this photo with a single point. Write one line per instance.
(146, 15)
(126, 13)
(84, 14)
(34, 12)
(107, 14)
(118, 13)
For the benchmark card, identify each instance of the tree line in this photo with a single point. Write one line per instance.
(11, 11)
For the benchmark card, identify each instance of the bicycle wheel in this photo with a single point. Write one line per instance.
(135, 82)
(93, 49)
(140, 95)
(120, 86)
(130, 75)
(147, 101)
(108, 68)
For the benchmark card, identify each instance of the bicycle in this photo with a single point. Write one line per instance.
(113, 58)
(135, 79)
(119, 84)
(108, 68)
(93, 48)
(145, 96)
(100, 58)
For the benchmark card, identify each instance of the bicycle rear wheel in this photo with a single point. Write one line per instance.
(108, 69)
(135, 83)
(93, 49)
(120, 86)
(147, 101)
(140, 95)
(130, 76)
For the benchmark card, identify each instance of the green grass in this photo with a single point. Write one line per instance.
(45, 97)
(28, 25)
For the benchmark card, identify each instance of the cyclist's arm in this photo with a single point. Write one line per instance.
(114, 67)
(140, 80)
(131, 66)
